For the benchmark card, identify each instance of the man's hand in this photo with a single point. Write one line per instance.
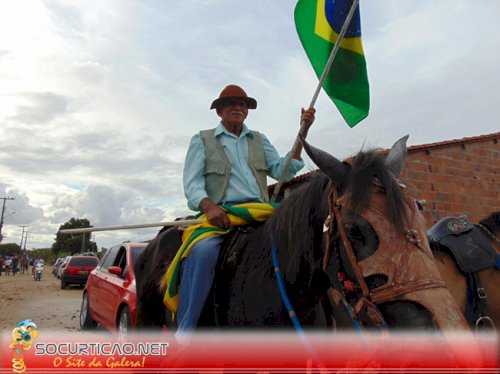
(307, 117)
(215, 214)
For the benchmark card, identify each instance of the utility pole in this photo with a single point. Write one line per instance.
(82, 250)
(22, 237)
(25, 240)
(3, 211)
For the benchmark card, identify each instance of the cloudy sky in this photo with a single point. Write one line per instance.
(99, 98)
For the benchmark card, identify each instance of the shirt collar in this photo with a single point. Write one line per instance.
(220, 129)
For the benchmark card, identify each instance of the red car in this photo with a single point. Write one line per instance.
(77, 269)
(109, 295)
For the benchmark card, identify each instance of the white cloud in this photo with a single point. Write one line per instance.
(39, 108)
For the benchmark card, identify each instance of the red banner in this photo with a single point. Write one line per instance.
(95, 352)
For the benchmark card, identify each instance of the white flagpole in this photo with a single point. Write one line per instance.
(186, 222)
(326, 70)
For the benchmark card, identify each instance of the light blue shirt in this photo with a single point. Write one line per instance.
(242, 184)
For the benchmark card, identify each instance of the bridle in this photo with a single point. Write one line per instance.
(407, 268)
(397, 284)
(333, 220)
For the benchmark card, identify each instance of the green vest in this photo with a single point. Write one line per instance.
(218, 166)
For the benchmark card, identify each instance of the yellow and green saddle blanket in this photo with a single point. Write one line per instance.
(239, 215)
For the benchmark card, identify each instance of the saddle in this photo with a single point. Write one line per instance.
(470, 248)
(472, 253)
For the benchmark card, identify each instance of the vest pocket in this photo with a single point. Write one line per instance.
(216, 180)
(214, 169)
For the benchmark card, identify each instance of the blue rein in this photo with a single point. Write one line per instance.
(289, 307)
(293, 315)
(281, 285)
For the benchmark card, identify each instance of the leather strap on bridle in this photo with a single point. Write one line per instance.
(364, 303)
(335, 212)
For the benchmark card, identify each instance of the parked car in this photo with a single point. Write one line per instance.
(110, 294)
(56, 265)
(61, 267)
(77, 270)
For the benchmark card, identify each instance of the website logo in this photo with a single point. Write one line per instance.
(23, 336)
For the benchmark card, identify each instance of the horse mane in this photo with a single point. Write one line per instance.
(369, 167)
(297, 223)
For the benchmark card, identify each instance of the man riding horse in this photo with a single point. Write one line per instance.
(224, 165)
(24, 263)
(383, 254)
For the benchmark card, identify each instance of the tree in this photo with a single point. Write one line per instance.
(45, 253)
(9, 249)
(74, 243)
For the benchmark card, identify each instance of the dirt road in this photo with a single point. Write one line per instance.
(43, 302)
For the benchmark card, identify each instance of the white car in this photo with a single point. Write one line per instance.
(56, 265)
(61, 268)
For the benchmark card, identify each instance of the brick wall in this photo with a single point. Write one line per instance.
(456, 177)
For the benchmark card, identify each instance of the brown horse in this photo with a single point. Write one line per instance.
(467, 256)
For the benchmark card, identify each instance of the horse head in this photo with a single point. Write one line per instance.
(378, 238)
(354, 181)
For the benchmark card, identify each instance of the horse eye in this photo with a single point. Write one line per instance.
(354, 232)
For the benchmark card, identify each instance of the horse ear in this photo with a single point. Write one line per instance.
(397, 156)
(335, 170)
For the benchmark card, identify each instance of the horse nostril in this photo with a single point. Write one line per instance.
(376, 280)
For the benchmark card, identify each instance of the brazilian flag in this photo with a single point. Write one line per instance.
(240, 214)
(318, 24)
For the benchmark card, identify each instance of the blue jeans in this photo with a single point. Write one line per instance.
(197, 276)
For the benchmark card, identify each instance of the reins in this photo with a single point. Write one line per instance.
(333, 294)
(289, 306)
(293, 316)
